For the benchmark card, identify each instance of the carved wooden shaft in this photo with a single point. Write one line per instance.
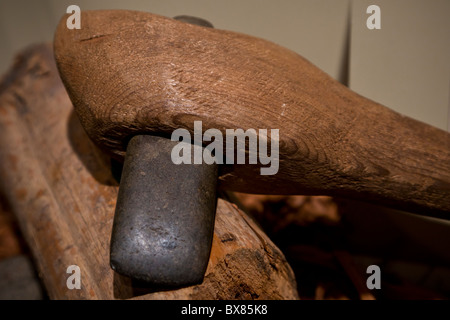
(144, 73)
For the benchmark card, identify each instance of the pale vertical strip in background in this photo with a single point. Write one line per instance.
(406, 64)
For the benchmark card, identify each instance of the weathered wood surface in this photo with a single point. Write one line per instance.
(133, 72)
(60, 187)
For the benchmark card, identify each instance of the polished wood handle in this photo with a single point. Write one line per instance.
(132, 72)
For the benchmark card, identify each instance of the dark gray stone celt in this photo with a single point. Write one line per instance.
(164, 219)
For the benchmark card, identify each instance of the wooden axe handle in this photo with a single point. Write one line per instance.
(131, 72)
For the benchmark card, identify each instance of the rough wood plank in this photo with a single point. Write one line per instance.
(60, 187)
(147, 73)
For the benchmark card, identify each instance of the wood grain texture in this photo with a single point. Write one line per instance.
(60, 187)
(132, 72)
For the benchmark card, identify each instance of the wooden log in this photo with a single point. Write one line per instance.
(147, 73)
(60, 187)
